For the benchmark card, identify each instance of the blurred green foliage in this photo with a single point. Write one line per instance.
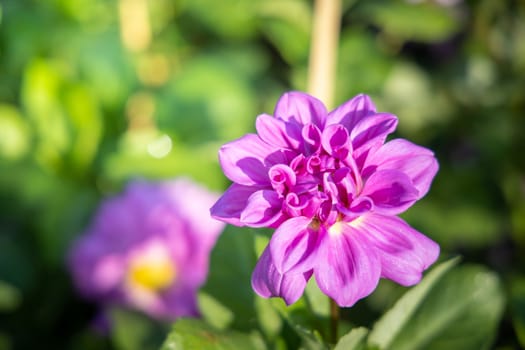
(88, 101)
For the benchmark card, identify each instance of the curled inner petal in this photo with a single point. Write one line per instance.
(335, 141)
(313, 164)
(312, 138)
(282, 177)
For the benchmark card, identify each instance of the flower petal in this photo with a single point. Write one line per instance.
(349, 113)
(300, 108)
(347, 268)
(311, 136)
(178, 192)
(278, 133)
(404, 252)
(417, 162)
(231, 204)
(282, 177)
(391, 191)
(268, 282)
(335, 141)
(247, 159)
(293, 245)
(263, 209)
(372, 130)
(180, 301)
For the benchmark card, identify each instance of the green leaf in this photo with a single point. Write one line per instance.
(306, 324)
(136, 157)
(362, 62)
(213, 312)
(231, 265)
(268, 318)
(517, 307)
(423, 22)
(14, 133)
(134, 331)
(232, 19)
(86, 121)
(444, 311)
(354, 340)
(40, 100)
(226, 109)
(310, 340)
(387, 328)
(10, 298)
(192, 334)
(287, 25)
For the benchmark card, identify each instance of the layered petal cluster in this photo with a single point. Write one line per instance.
(332, 187)
(148, 248)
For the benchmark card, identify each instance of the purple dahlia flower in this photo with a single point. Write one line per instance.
(148, 248)
(331, 187)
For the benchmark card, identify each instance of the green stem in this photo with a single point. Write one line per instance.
(334, 321)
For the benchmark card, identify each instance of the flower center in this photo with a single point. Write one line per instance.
(153, 270)
(323, 182)
(336, 229)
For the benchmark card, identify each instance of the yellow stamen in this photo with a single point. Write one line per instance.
(336, 229)
(356, 222)
(152, 272)
(314, 224)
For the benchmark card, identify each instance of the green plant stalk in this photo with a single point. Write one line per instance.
(334, 321)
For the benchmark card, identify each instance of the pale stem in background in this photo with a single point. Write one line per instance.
(323, 50)
(135, 29)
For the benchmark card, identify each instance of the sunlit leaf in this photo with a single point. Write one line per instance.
(84, 115)
(354, 340)
(14, 133)
(444, 311)
(40, 97)
(392, 322)
(194, 334)
(215, 314)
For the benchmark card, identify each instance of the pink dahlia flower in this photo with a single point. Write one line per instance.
(148, 248)
(332, 187)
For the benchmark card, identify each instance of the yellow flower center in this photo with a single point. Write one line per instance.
(336, 228)
(153, 270)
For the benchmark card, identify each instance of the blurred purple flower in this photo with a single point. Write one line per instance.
(148, 248)
(332, 188)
